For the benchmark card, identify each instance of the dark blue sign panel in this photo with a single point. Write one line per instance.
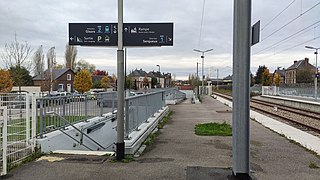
(134, 34)
(255, 33)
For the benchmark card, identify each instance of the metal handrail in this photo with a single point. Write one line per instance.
(52, 112)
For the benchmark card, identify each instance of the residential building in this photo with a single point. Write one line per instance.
(58, 79)
(138, 76)
(291, 73)
(282, 73)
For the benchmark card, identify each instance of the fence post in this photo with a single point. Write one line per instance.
(99, 100)
(4, 140)
(126, 133)
(113, 102)
(34, 121)
(41, 118)
(27, 118)
(86, 107)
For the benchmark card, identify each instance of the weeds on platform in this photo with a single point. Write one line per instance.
(37, 154)
(313, 165)
(165, 120)
(213, 129)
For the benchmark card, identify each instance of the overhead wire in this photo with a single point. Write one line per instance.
(202, 17)
(291, 36)
(299, 16)
(277, 15)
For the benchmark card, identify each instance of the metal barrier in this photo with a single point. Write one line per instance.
(297, 90)
(174, 94)
(139, 108)
(73, 108)
(17, 129)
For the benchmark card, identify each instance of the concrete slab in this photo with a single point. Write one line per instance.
(207, 173)
(95, 153)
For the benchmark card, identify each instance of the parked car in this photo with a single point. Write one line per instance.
(91, 96)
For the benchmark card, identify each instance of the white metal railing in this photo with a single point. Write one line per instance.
(17, 129)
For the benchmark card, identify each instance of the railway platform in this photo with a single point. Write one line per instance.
(178, 153)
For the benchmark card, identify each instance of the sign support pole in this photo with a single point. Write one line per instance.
(120, 86)
(240, 89)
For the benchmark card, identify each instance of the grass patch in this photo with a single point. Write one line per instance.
(213, 129)
(165, 120)
(313, 165)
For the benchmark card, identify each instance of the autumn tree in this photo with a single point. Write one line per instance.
(6, 82)
(99, 73)
(105, 82)
(145, 82)
(277, 79)
(38, 61)
(70, 57)
(259, 73)
(266, 78)
(82, 81)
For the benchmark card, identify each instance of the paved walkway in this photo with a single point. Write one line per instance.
(177, 149)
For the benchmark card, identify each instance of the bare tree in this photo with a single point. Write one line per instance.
(38, 61)
(70, 57)
(16, 54)
(51, 62)
(51, 57)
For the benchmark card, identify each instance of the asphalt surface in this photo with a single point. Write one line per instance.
(180, 154)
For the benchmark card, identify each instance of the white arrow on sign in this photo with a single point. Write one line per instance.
(71, 38)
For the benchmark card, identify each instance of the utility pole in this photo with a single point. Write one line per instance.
(240, 89)
(316, 74)
(202, 57)
(197, 79)
(217, 77)
(120, 146)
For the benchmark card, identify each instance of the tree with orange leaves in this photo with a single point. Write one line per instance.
(6, 82)
(83, 81)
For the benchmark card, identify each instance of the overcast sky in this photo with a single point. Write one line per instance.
(45, 23)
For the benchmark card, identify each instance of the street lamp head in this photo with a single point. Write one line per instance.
(208, 50)
(158, 65)
(309, 47)
(197, 50)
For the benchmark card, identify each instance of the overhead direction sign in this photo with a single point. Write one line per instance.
(134, 34)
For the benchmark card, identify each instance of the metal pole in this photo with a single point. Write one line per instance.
(125, 73)
(197, 80)
(316, 77)
(240, 88)
(202, 91)
(217, 77)
(120, 86)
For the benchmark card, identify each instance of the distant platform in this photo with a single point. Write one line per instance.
(297, 102)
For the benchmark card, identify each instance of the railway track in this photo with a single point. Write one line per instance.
(303, 119)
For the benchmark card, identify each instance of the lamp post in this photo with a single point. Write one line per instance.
(197, 79)
(202, 57)
(159, 74)
(316, 75)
